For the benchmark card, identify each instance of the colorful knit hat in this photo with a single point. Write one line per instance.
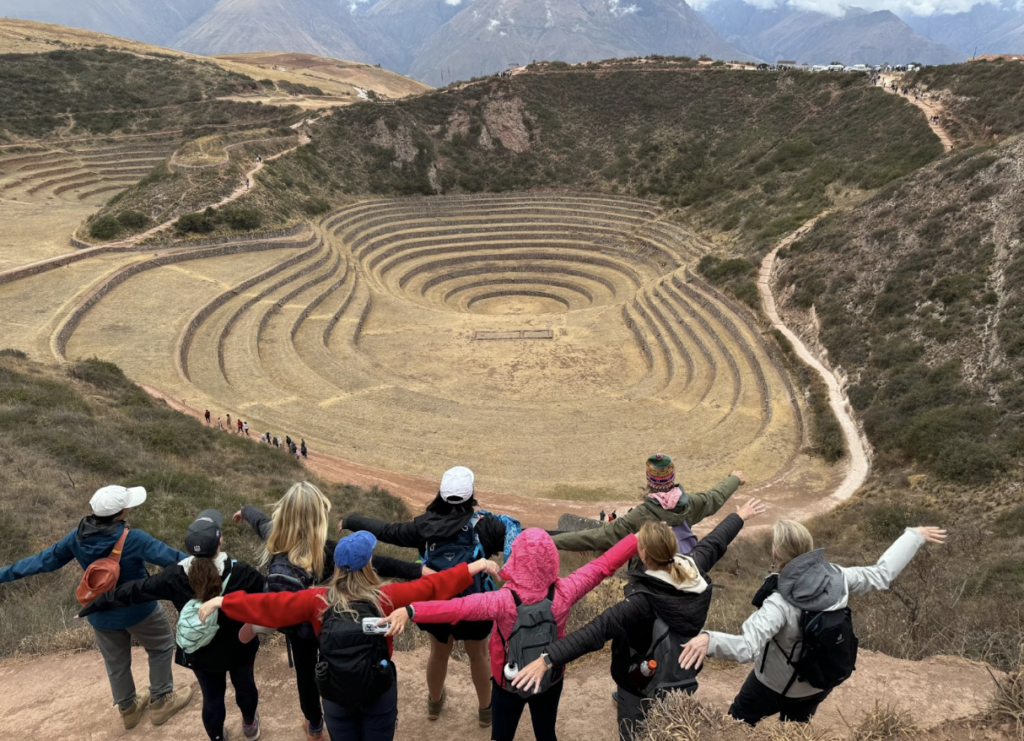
(661, 472)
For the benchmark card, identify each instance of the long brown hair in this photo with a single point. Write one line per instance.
(347, 587)
(660, 546)
(203, 577)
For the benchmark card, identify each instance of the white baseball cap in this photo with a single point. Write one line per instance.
(112, 499)
(457, 485)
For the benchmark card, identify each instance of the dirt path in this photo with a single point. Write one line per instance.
(930, 108)
(856, 445)
(34, 702)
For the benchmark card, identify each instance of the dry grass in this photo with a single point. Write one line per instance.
(1008, 703)
(887, 722)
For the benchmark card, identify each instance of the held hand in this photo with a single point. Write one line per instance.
(237, 517)
(427, 571)
(751, 508)
(932, 534)
(739, 475)
(341, 525)
(483, 564)
(530, 676)
(398, 619)
(207, 608)
(694, 652)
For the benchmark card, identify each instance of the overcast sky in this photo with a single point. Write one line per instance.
(900, 7)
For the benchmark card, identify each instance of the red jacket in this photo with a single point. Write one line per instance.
(281, 609)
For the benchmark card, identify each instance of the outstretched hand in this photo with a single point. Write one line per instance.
(530, 676)
(932, 534)
(398, 619)
(237, 517)
(751, 508)
(483, 564)
(739, 474)
(694, 652)
(209, 607)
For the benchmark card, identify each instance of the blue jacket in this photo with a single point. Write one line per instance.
(90, 542)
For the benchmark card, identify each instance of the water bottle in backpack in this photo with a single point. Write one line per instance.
(663, 673)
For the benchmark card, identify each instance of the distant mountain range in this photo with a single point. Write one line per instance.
(438, 41)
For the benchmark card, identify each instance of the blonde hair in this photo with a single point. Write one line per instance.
(299, 528)
(347, 587)
(660, 546)
(789, 540)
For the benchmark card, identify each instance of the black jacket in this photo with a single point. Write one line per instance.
(629, 624)
(389, 568)
(225, 651)
(431, 527)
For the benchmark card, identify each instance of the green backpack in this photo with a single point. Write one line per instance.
(192, 634)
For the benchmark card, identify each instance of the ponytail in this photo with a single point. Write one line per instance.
(660, 546)
(204, 578)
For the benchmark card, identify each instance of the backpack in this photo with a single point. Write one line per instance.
(284, 576)
(463, 548)
(828, 649)
(535, 628)
(354, 668)
(191, 632)
(102, 574)
(668, 676)
(513, 528)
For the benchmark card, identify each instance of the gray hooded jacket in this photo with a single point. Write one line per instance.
(808, 582)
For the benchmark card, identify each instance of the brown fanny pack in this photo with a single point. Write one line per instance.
(102, 574)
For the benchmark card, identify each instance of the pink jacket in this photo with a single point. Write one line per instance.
(530, 570)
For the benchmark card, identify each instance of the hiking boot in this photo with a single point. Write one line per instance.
(251, 731)
(133, 715)
(434, 708)
(484, 716)
(312, 735)
(160, 711)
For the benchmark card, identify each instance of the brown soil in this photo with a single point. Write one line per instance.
(67, 696)
(929, 106)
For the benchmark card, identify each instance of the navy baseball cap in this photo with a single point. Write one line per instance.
(354, 551)
(203, 536)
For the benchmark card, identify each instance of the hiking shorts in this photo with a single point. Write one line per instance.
(468, 630)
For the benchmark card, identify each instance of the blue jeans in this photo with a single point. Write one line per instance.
(214, 685)
(375, 722)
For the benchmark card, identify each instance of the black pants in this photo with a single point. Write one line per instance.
(214, 686)
(755, 701)
(373, 722)
(507, 709)
(305, 653)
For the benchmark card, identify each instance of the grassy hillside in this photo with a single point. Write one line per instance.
(983, 101)
(920, 295)
(98, 91)
(66, 431)
(733, 150)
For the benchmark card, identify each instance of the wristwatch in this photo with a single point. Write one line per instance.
(547, 660)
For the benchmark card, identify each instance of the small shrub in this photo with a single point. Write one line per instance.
(105, 228)
(243, 218)
(99, 373)
(195, 223)
(134, 221)
(10, 352)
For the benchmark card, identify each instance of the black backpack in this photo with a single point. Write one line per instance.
(668, 676)
(284, 576)
(354, 668)
(534, 630)
(463, 548)
(828, 649)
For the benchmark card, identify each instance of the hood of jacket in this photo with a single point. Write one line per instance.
(696, 585)
(95, 539)
(811, 583)
(220, 561)
(532, 567)
(683, 606)
(434, 527)
(669, 499)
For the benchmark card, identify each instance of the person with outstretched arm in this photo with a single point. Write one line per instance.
(672, 588)
(531, 575)
(664, 501)
(206, 573)
(449, 532)
(295, 540)
(360, 697)
(805, 585)
(96, 537)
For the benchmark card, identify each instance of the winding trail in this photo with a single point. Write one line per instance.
(857, 447)
(930, 109)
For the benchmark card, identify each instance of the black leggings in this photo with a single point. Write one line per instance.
(214, 685)
(755, 701)
(507, 709)
(305, 654)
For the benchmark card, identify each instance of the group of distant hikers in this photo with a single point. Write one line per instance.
(339, 605)
(298, 449)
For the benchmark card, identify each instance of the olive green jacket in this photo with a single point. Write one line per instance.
(691, 509)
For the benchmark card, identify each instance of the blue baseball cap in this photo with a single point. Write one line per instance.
(354, 551)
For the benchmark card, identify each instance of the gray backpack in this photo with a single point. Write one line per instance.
(668, 676)
(534, 630)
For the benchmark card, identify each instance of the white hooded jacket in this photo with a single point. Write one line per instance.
(808, 582)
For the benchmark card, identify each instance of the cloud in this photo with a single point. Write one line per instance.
(453, 2)
(493, 24)
(838, 7)
(620, 10)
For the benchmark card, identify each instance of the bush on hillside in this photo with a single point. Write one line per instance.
(134, 220)
(105, 228)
